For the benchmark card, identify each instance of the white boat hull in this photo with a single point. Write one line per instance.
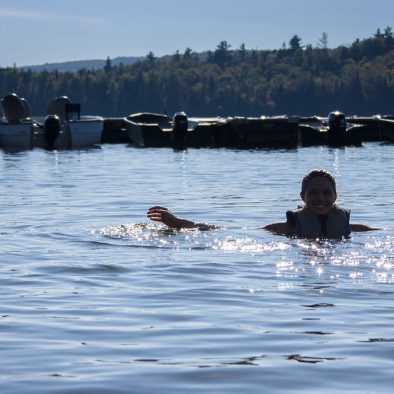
(16, 135)
(85, 132)
(75, 134)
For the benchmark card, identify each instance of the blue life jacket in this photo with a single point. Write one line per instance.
(335, 224)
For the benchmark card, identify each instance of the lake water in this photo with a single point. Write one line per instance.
(94, 299)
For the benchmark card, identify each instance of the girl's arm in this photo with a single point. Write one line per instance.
(164, 215)
(362, 227)
(280, 228)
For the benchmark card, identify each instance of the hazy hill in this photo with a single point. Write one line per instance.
(76, 65)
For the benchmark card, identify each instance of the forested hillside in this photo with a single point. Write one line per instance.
(295, 80)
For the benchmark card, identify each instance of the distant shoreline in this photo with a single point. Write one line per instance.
(75, 65)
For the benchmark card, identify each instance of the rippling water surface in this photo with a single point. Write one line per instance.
(94, 299)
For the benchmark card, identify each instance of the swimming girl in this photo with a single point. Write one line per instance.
(320, 217)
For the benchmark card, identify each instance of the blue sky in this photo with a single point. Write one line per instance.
(47, 31)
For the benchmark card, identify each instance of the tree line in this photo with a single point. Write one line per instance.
(296, 79)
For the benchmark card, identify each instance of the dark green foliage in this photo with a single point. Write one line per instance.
(300, 80)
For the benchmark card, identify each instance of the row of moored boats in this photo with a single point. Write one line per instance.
(63, 127)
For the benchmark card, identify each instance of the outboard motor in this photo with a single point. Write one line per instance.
(179, 129)
(336, 128)
(51, 130)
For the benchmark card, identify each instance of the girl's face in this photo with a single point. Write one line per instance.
(319, 197)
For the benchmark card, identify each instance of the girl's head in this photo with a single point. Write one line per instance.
(318, 191)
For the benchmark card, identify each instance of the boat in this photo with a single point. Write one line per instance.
(76, 131)
(16, 128)
(333, 131)
(157, 130)
(148, 129)
(259, 132)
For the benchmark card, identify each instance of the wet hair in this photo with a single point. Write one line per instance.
(317, 172)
